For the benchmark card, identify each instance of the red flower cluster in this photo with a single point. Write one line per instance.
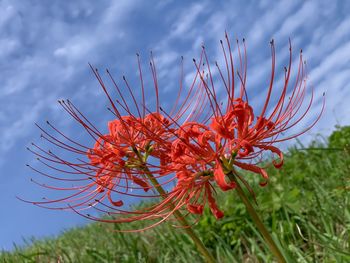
(178, 157)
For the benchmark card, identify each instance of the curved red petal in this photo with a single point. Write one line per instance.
(254, 169)
(276, 151)
(219, 176)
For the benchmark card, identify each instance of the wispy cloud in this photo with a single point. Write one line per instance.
(45, 55)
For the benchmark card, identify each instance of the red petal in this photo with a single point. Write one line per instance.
(195, 209)
(115, 203)
(276, 151)
(212, 204)
(141, 183)
(219, 176)
(254, 169)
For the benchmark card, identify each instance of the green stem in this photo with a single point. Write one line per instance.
(268, 238)
(187, 228)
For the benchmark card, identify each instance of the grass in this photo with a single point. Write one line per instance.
(306, 206)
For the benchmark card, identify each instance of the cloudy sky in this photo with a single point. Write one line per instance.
(45, 48)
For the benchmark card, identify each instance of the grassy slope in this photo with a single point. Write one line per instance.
(306, 204)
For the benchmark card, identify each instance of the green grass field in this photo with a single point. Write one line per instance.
(306, 206)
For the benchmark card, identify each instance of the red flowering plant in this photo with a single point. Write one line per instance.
(117, 165)
(232, 138)
(244, 138)
(199, 145)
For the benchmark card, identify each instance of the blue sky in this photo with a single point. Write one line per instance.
(45, 47)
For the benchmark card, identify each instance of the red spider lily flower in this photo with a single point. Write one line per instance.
(195, 159)
(244, 139)
(205, 153)
(131, 160)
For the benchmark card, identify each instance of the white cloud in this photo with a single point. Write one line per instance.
(265, 23)
(38, 69)
(8, 46)
(298, 19)
(76, 48)
(17, 128)
(333, 63)
(7, 13)
(186, 20)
